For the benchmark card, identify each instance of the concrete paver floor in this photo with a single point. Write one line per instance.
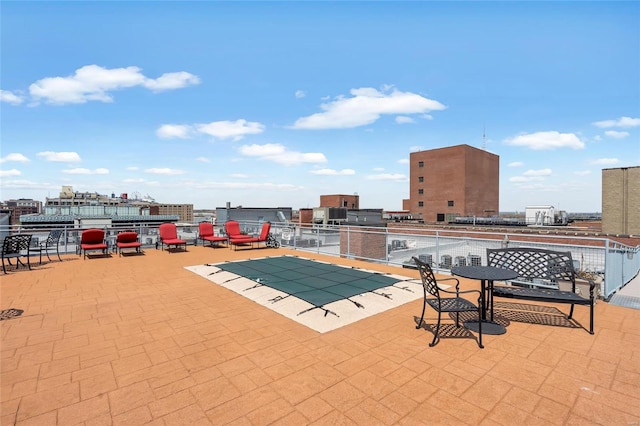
(140, 340)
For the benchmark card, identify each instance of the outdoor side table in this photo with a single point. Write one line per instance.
(486, 275)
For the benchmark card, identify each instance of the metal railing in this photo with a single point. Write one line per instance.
(606, 261)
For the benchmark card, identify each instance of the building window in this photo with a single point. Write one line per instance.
(440, 217)
(450, 203)
(420, 163)
(344, 203)
(420, 179)
(420, 191)
(420, 203)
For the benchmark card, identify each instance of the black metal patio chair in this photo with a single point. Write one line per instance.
(52, 242)
(442, 304)
(15, 247)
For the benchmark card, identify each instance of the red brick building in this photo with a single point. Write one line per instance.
(22, 206)
(455, 181)
(351, 202)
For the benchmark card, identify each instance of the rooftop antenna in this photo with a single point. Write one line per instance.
(484, 138)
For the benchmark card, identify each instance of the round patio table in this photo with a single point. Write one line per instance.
(486, 275)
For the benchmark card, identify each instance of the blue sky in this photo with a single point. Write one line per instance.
(266, 104)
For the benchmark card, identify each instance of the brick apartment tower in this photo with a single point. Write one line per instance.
(621, 201)
(455, 181)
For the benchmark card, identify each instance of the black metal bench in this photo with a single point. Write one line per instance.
(540, 273)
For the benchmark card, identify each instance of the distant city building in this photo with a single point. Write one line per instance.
(69, 197)
(455, 181)
(256, 214)
(87, 209)
(621, 201)
(21, 207)
(351, 202)
(184, 211)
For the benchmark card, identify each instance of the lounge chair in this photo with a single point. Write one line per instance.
(128, 240)
(232, 229)
(262, 238)
(91, 240)
(169, 237)
(206, 233)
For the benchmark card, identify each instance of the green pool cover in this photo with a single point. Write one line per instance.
(314, 282)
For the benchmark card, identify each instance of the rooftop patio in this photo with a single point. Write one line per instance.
(140, 339)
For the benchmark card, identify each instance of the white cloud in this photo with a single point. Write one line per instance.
(388, 176)
(27, 184)
(403, 161)
(616, 134)
(300, 94)
(541, 172)
(262, 186)
(239, 176)
(515, 164)
(170, 131)
(620, 122)
(15, 157)
(415, 148)
(546, 141)
(94, 83)
(203, 160)
(133, 168)
(12, 172)
(365, 107)
(83, 171)
(605, 161)
(235, 130)
(403, 119)
(171, 80)
(582, 172)
(60, 157)
(526, 178)
(164, 171)
(279, 154)
(10, 97)
(332, 172)
(378, 169)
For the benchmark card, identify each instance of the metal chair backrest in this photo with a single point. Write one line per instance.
(429, 282)
(14, 244)
(53, 239)
(532, 263)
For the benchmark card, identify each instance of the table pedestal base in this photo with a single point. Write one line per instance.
(488, 327)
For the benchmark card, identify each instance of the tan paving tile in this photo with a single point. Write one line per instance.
(271, 413)
(84, 411)
(42, 402)
(144, 341)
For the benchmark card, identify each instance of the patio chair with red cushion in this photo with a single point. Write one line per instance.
(206, 233)
(128, 240)
(262, 238)
(92, 240)
(232, 229)
(169, 237)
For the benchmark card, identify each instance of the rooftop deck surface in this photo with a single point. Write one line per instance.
(141, 340)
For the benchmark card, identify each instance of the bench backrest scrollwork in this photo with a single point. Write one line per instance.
(535, 264)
